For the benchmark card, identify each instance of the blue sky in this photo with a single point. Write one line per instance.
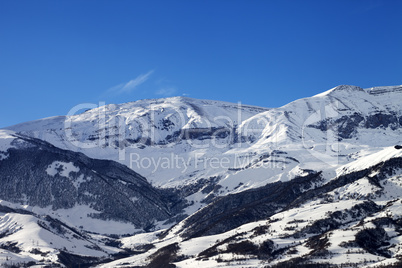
(57, 54)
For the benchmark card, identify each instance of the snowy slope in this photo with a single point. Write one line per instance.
(27, 237)
(339, 226)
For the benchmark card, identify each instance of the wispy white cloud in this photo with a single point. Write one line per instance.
(166, 91)
(130, 85)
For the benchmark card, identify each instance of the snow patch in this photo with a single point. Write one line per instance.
(61, 168)
(6, 139)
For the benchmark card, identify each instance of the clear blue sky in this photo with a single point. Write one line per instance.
(57, 54)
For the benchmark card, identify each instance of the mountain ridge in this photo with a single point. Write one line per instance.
(219, 183)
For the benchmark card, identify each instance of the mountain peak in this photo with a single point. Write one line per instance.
(347, 88)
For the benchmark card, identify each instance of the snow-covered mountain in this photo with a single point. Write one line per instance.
(177, 142)
(304, 183)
